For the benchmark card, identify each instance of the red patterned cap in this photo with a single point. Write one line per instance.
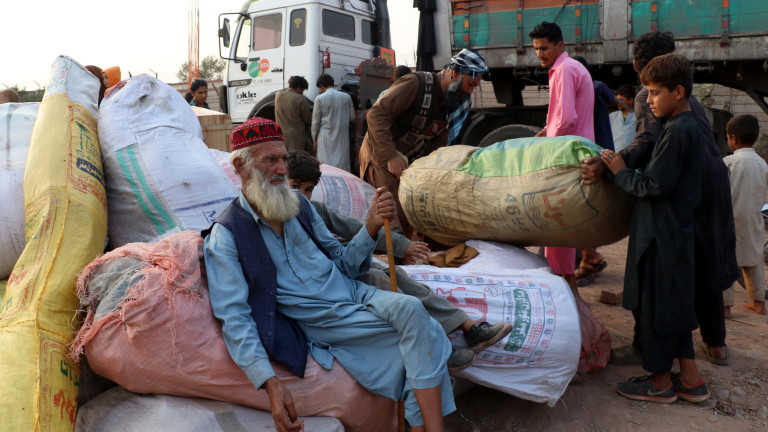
(254, 131)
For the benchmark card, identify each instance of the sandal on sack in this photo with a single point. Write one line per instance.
(712, 359)
(586, 268)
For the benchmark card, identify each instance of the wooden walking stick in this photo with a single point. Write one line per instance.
(393, 281)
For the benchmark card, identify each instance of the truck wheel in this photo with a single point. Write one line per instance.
(264, 108)
(509, 132)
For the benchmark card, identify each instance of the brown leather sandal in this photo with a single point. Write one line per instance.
(586, 268)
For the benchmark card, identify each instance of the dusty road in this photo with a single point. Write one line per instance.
(739, 399)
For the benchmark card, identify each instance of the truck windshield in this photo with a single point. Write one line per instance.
(267, 31)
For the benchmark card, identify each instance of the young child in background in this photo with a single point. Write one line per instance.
(304, 174)
(623, 124)
(749, 185)
(659, 283)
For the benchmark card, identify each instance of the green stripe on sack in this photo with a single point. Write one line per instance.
(520, 156)
(144, 191)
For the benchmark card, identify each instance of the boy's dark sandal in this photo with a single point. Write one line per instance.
(643, 389)
(460, 359)
(715, 360)
(696, 394)
(482, 335)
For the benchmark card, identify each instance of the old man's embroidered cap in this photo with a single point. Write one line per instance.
(254, 131)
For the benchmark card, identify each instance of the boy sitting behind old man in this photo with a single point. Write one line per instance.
(304, 174)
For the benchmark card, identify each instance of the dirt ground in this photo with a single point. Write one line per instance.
(739, 400)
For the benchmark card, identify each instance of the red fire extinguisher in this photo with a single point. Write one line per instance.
(326, 59)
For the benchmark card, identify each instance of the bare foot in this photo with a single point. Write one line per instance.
(727, 312)
(757, 306)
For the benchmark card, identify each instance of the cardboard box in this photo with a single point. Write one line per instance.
(216, 127)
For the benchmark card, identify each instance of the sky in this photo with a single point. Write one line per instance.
(140, 36)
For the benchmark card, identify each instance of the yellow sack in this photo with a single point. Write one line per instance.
(66, 223)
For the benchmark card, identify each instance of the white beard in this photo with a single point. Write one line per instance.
(273, 202)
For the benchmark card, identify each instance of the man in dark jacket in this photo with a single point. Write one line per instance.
(715, 238)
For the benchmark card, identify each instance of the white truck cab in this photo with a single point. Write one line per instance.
(269, 41)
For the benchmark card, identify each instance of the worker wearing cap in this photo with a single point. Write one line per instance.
(421, 112)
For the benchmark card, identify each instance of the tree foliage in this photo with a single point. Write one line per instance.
(28, 95)
(211, 68)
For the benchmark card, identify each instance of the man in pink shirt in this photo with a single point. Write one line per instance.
(571, 107)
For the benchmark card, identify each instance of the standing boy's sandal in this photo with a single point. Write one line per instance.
(642, 388)
(696, 394)
(714, 360)
(586, 268)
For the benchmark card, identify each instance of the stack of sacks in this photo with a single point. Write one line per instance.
(16, 122)
(525, 191)
(66, 223)
(150, 328)
(161, 178)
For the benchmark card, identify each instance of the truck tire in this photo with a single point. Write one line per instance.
(264, 108)
(508, 132)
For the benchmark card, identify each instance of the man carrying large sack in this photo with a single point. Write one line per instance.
(421, 112)
(278, 279)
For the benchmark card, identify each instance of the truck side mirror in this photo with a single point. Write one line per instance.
(224, 33)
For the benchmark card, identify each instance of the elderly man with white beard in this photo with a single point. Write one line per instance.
(284, 288)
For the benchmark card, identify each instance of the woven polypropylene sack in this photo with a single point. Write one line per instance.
(161, 178)
(343, 193)
(120, 410)
(66, 221)
(149, 327)
(526, 191)
(16, 122)
(537, 360)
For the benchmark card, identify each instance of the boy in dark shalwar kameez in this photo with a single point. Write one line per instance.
(659, 284)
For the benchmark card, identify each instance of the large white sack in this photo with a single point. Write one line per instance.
(537, 360)
(16, 122)
(492, 256)
(161, 178)
(343, 192)
(222, 158)
(120, 410)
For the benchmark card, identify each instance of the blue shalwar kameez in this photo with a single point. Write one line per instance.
(385, 340)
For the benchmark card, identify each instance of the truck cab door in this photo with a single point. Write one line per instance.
(258, 71)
